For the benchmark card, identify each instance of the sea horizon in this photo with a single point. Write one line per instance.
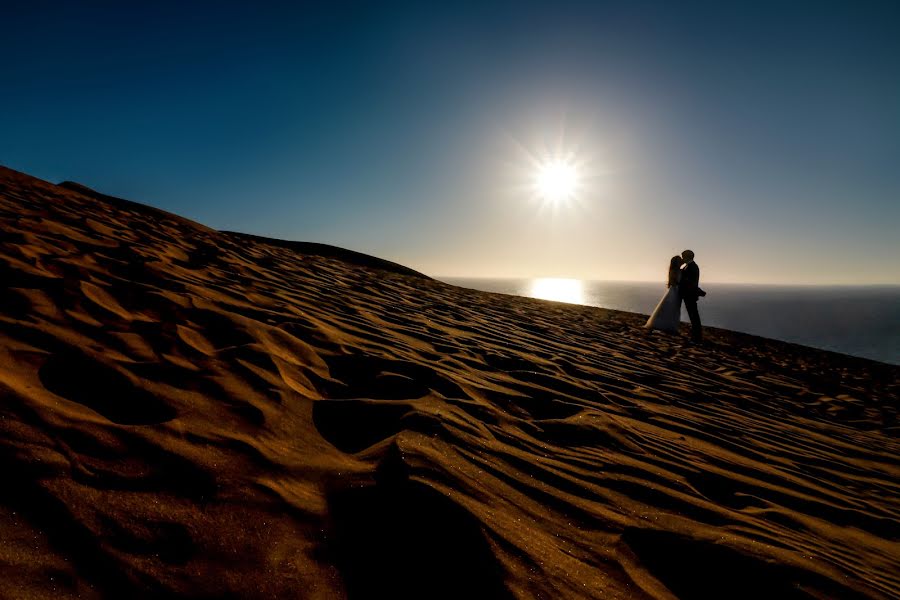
(861, 320)
(705, 282)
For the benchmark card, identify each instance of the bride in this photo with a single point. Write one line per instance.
(667, 314)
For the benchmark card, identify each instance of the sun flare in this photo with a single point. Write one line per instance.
(556, 181)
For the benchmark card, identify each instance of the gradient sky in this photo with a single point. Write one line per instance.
(765, 136)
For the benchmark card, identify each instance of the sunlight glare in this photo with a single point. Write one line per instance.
(560, 290)
(556, 181)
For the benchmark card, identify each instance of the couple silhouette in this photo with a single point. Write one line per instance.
(684, 286)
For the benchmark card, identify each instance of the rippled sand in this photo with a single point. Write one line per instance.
(190, 412)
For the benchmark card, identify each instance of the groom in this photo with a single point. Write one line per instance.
(689, 290)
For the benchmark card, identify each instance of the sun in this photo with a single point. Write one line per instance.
(556, 181)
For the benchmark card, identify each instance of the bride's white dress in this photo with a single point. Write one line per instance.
(667, 314)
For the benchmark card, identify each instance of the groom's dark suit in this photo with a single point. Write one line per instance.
(689, 290)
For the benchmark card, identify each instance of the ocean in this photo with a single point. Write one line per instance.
(857, 320)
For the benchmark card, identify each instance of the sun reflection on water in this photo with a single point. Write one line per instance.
(560, 290)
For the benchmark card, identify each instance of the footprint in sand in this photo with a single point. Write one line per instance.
(397, 538)
(368, 398)
(354, 425)
(79, 377)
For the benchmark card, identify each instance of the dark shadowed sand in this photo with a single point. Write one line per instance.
(207, 414)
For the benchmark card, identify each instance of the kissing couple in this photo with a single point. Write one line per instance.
(684, 286)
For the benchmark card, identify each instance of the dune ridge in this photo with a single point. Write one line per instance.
(188, 412)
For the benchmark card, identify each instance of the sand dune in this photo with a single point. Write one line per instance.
(206, 414)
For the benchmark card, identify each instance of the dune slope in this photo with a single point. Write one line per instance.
(195, 413)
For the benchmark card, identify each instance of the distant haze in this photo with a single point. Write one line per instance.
(763, 135)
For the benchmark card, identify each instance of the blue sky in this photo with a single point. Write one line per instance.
(764, 135)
